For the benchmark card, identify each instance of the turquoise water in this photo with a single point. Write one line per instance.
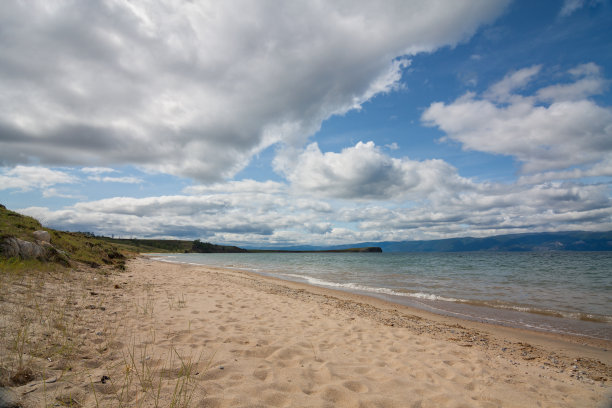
(568, 292)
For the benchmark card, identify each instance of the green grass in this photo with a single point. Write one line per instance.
(17, 225)
(74, 246)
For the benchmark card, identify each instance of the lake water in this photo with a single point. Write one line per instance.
(565, 292)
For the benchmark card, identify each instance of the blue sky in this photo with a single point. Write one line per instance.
(254, 123)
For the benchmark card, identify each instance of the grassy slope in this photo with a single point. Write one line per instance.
(150, 245)
(95, 251)
(78, 247)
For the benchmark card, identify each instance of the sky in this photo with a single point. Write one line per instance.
(266, 123)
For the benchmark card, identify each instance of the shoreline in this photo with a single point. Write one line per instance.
(383, 305)
(579, 346)
(228, 338)
(545, 321)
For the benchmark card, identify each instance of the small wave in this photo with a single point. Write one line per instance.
(589, 317)
(364, 288)
(429, 296)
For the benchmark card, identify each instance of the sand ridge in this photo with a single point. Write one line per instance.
(186, 335)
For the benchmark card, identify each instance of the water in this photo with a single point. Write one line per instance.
(565, 292)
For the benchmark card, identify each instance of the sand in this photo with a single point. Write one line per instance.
(161, 334)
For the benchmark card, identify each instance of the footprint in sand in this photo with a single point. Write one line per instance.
(261, 374)
(355, 386)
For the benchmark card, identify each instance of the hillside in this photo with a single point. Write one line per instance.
(64, 248)
(172, 245)
(17, 234)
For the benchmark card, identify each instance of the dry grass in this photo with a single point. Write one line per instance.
(63, 341)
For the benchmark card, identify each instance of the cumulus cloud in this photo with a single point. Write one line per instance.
(196, 88)
(364, 172)
(555, 128)
(282, 216)
(26, 178)
(493, 209)
(221, 217)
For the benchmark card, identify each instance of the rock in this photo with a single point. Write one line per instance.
(8, 398)
(44, 251)
(56, 255)
(15, 247)
(42, 236)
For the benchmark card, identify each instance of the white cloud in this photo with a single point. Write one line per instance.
(601, 169)
(364, 172)
(241, 186)
(26, 178)
(588, 82)
(196, 88)
(392, 146)
(53, 192)
(98, 170)
(243, 215)
(555, 128)
(125, 179)
(570, 6)
(502, 91)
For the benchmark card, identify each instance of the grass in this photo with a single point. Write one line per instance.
(143, 383)
(68, 246)
(57, 336)
(44, 338)
(37, 320)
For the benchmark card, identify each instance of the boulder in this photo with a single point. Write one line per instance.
(8, 398)
(42, 236)
(41, 250)
(15, 247)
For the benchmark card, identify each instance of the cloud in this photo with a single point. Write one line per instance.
(493, 209)
(588, 82)
(392, 146)
(219, 217)
(570, 6)
(196, 88)
(555, 128)
(601, 169)
(98, 170)
(236, 187)
(364, 172)
(126, 179)
(240, 214)
(502, 91)
(26, 178)
(53, 192)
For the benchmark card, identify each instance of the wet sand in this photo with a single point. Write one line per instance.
(198, 336)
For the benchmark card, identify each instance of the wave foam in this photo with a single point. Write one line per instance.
(363, 288)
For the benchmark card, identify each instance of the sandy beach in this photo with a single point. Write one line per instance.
(161, 334)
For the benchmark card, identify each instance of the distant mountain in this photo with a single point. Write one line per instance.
(544, 241)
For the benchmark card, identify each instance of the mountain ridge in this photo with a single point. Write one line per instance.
(523, 242)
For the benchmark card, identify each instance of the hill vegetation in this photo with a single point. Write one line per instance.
(64, 247)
